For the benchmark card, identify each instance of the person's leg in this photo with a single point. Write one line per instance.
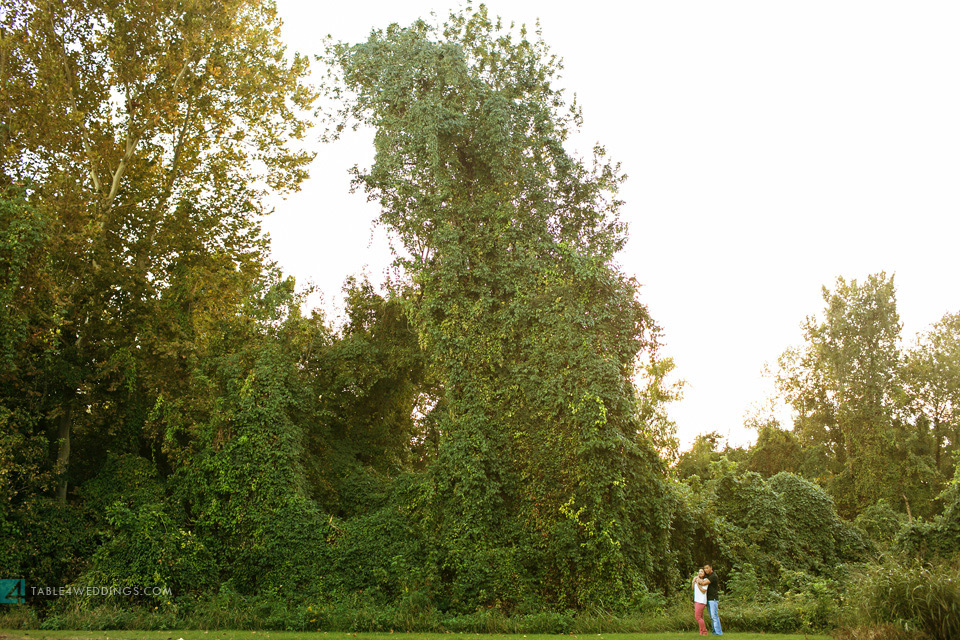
(715, 618)
(698, 614)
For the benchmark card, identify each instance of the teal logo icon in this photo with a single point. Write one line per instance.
(13, 591)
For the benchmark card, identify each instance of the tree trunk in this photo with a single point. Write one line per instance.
(63, 453)
(938, 441)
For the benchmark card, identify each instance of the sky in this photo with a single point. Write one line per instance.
(770, 148)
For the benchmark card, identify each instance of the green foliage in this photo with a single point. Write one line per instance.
(843, 384)
(541, 479)
(939, 538)
(385, 553)
(951, 500)
(812, 526)
(24, 473)
(698, 459)
(137, 302)
(753, 519)
(913, 596)
(368, 383)
(137, 142)
(656, 393)
(245, 485)
(147, 547)
(932, 383)
(744, 585)
(881, 523)
(776, 450)
(484, 445)
(874, 423)
(24, 235)
(765, 537)
(144, 544)
(47, 543)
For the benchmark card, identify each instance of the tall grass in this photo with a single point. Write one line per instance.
(912, 596)
(18, 617)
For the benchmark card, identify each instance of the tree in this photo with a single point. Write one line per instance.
(776, 450)
(704, 451)
(368, 381)
(845, 385)
(932, 374)
(542, 476)
(124, 120)
(655, 395)
(136, 143)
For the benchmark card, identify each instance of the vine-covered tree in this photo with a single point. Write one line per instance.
(543, 481)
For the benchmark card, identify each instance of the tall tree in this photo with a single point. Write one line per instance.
(114, 114)
(542, 475)
(844, 385)
(932, 375)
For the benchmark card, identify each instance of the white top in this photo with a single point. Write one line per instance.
(699, 596)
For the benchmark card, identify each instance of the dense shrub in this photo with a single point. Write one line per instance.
(812, 525)
(881, 523)
(939, 538)
(143, 543)
(759, 533)
(55, 542)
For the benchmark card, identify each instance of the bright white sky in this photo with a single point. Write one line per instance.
(770, 147)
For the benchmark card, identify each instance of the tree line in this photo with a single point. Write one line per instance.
(487, 433)
(876, 421)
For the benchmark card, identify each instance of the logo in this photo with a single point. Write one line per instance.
(13, 591)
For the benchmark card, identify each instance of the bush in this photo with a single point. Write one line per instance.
(881, 523)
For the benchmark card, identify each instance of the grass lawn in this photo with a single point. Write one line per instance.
(301, 635)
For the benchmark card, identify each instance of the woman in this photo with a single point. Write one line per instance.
(699, 601)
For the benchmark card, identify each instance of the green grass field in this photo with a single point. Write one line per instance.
(299, 635)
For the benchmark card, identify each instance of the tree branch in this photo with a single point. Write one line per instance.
(117, 175)
(71, 80)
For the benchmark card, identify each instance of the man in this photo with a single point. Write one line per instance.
(713, 586)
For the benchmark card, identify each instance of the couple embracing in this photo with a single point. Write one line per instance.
(705, 586)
